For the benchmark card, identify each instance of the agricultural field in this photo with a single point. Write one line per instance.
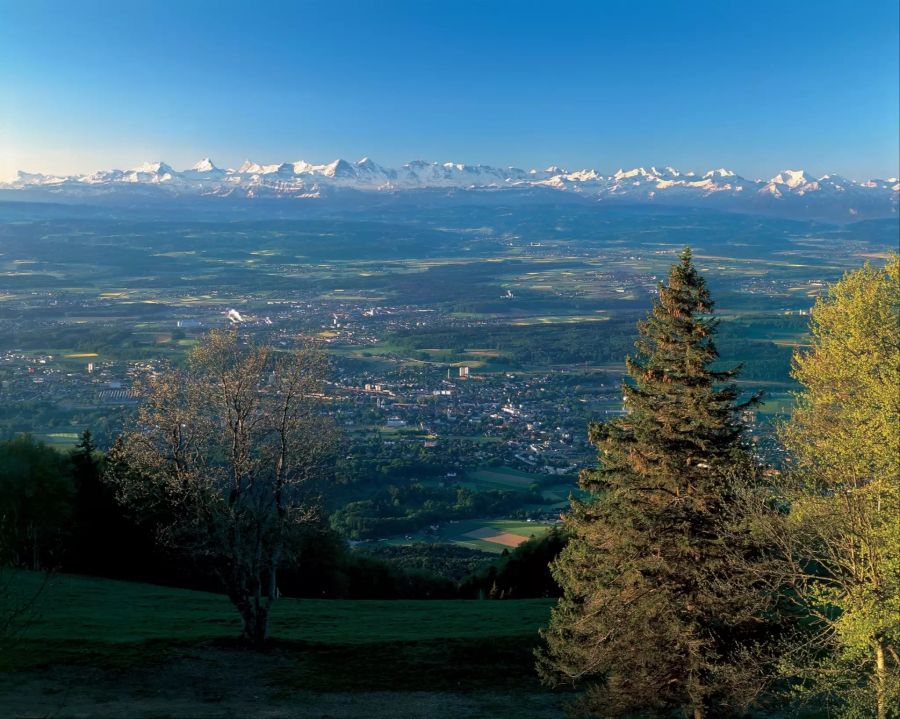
(100, 648)
(504, 477)
(470, 346)
(555, 490)
(486, 535)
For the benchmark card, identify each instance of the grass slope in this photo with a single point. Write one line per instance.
(102, 648)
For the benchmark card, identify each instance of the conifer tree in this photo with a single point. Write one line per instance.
(657, 618)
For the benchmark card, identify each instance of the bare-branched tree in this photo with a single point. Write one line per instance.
(229, 453)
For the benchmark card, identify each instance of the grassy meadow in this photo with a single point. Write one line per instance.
(100, 648)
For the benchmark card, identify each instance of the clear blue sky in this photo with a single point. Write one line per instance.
(755, 85)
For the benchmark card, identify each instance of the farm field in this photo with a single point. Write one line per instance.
(468, 346)
(554, 490)
(504, 477)
(487, 535)
(100, 648)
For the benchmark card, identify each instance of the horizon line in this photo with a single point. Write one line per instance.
(534, 168)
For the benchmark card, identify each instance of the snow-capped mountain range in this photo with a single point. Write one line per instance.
(789, 192)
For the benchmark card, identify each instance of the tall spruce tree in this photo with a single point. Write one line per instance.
(657, 617)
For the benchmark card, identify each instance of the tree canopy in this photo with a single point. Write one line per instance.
(227, 453)
(841, 539)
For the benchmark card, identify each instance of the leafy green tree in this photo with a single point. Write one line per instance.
(841, 538)
(92, 504)
(657, 618)
(35, 502)
(35, 495)
(522, 573)
(104, 539)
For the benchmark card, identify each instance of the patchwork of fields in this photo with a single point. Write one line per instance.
(487, 535)
(462, 338)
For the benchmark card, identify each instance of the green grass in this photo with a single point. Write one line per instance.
(504, 477)
(91, 611)
(59, 440)
(119, 639)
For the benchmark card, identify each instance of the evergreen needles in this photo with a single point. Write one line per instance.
(658, 614)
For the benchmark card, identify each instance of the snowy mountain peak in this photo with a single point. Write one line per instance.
(338, 168)
(584, 176)
(204, 165)
(789, 193)
(154, 168)
(792, 178)
(636, 172)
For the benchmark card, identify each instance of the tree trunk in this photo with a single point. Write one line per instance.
(256, 626)
(880, 682)
(698, 712)
(35, 550)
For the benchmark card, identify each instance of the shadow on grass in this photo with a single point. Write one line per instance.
(500, 664)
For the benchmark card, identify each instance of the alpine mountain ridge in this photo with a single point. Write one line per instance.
(788, 193)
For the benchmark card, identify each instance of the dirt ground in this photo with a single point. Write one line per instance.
(208, 683)
(488, 534)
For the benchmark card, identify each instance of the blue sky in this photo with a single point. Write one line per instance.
(757, 86)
